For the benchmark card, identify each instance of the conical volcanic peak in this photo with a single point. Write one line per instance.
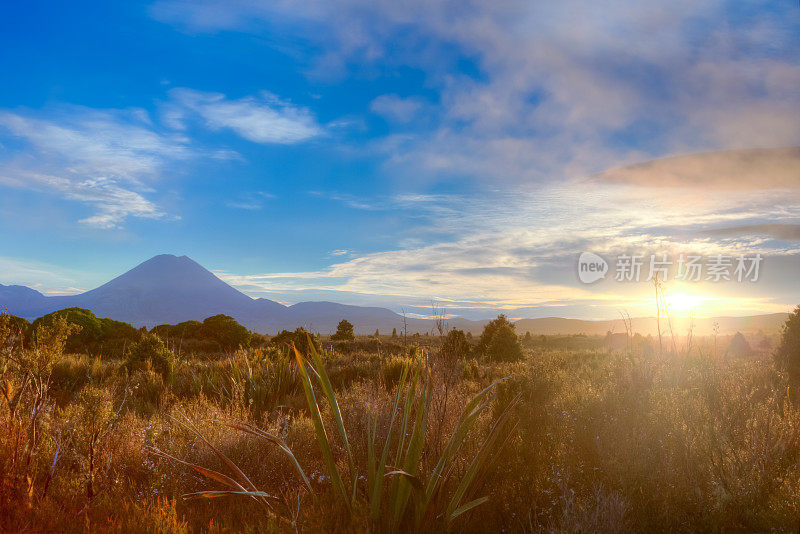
(166, 288)
(172, 273)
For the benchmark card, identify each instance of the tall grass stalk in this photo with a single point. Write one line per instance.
(414, 498)
(239, 484)
(401, 495)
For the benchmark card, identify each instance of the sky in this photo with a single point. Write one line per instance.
(401, 153)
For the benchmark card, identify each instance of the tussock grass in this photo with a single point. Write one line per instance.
(265, 440)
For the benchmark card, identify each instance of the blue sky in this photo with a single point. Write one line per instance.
(394, 153)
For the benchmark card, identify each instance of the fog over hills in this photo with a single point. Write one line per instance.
(172, 289)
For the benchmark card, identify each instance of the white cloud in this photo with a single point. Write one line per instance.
(109, 159)
(752, 169)
(263, 119)
(352, 201)
(253, 201)
(396, 108)
(104, 159)
(121, 144)
(557, 86)
(43, 277)
(517, 248)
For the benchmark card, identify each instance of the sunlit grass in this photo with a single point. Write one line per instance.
(572, 437)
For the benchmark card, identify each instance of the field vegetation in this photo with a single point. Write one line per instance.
(204, 426)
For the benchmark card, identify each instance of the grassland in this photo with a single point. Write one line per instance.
(386, 434)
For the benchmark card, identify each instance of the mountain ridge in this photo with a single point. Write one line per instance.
(168, 289)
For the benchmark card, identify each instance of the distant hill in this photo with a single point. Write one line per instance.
(768, 323)
(169, 289)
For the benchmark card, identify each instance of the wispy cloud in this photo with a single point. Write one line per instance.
(787, 232)
(262, 119)
(555, 89)
(517, 249)
(44, 277)
(350, 200)
(398, 109)
(111, 159)
(105, 159)
(252, 201)
(751, 169)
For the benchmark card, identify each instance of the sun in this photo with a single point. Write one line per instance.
(684, 302)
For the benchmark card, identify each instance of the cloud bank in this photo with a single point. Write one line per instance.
(548, 90)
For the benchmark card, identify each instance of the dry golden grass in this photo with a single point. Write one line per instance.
(596, 442)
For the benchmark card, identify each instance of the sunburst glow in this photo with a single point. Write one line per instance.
(684, 302)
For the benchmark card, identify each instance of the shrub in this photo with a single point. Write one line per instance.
(413, 498)
(49, 341)
(455, 346)
(787, 356)
(739, 347)
(12, 332)
(72, 372)
(219, 333)
(226, 331)
(505, 345)
(151, 350)
(299, 338)
(490, 330)
(391, 370)
(94, 335)
(184, 330)
(147, 389)
(89, 420)
(499, 342)
(344, 331)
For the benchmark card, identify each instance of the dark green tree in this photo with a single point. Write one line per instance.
(299, 338)
(226, 331)
(185, 330)
(95, 335)
(490, 330)
(787, 355)
(455, 345)
(739, 347)
(344, 331)
(12, 332)
(505, 345)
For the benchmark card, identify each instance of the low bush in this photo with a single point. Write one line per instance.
(301, 338)
(504, 346)
(392, 369)
(150, 351)
(456, 346)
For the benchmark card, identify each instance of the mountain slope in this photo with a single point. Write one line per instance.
(169, 289)
(172, 289)
(315, 316)
(648, 326)
(23, 301)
